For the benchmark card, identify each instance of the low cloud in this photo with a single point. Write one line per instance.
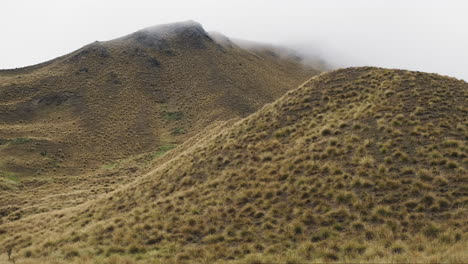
(424, 35)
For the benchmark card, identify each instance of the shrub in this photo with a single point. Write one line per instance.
(431, 231)
(345, 198)
(331, 256)
(384, 211)
(452, 164)
(367, 161)
(326, 131)
(135, 249)
(213, 239)
(358, 226)
(407, 171)
(174, 116)
(398, 249)
(28, 253)
(450, 143)
(382, 169)
(72, 254)
(425, 175)
(179, 131)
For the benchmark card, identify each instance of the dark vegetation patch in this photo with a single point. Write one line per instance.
(173, 116)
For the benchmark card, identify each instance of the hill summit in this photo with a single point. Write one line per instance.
(189, 34)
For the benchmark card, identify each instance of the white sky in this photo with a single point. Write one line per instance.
(424, 35)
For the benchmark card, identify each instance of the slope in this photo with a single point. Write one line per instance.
(121, 97)
(109, 101)
(359, 164)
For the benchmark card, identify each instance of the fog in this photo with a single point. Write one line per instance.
(422, 35)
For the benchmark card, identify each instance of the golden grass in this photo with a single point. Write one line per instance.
(330, 172)
(88, 112)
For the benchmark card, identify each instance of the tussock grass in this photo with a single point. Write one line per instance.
(273, 187)
(63, 121)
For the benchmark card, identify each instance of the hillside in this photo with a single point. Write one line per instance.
(359, 164)
(62, 122)
(126, 96)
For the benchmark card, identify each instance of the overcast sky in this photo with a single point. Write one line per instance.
(424, 35)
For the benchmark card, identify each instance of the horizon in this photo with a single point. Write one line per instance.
(344, 34)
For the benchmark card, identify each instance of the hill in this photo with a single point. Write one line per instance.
(359, 164)
(156, 86)
(64, 121)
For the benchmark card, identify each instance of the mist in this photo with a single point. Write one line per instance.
(418, 35)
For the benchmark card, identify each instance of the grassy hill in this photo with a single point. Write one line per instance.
(66, 125)
(357, 165)
(126, 96)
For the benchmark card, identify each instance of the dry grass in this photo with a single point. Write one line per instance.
(332, 171)
(69, 127)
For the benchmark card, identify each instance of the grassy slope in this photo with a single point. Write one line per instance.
(122, 97)
(360, 164)
(64, 124)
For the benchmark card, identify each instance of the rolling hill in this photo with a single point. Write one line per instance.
(66, 125)
(357, 165)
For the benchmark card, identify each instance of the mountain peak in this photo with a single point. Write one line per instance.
(189, 33)
(176, 28)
